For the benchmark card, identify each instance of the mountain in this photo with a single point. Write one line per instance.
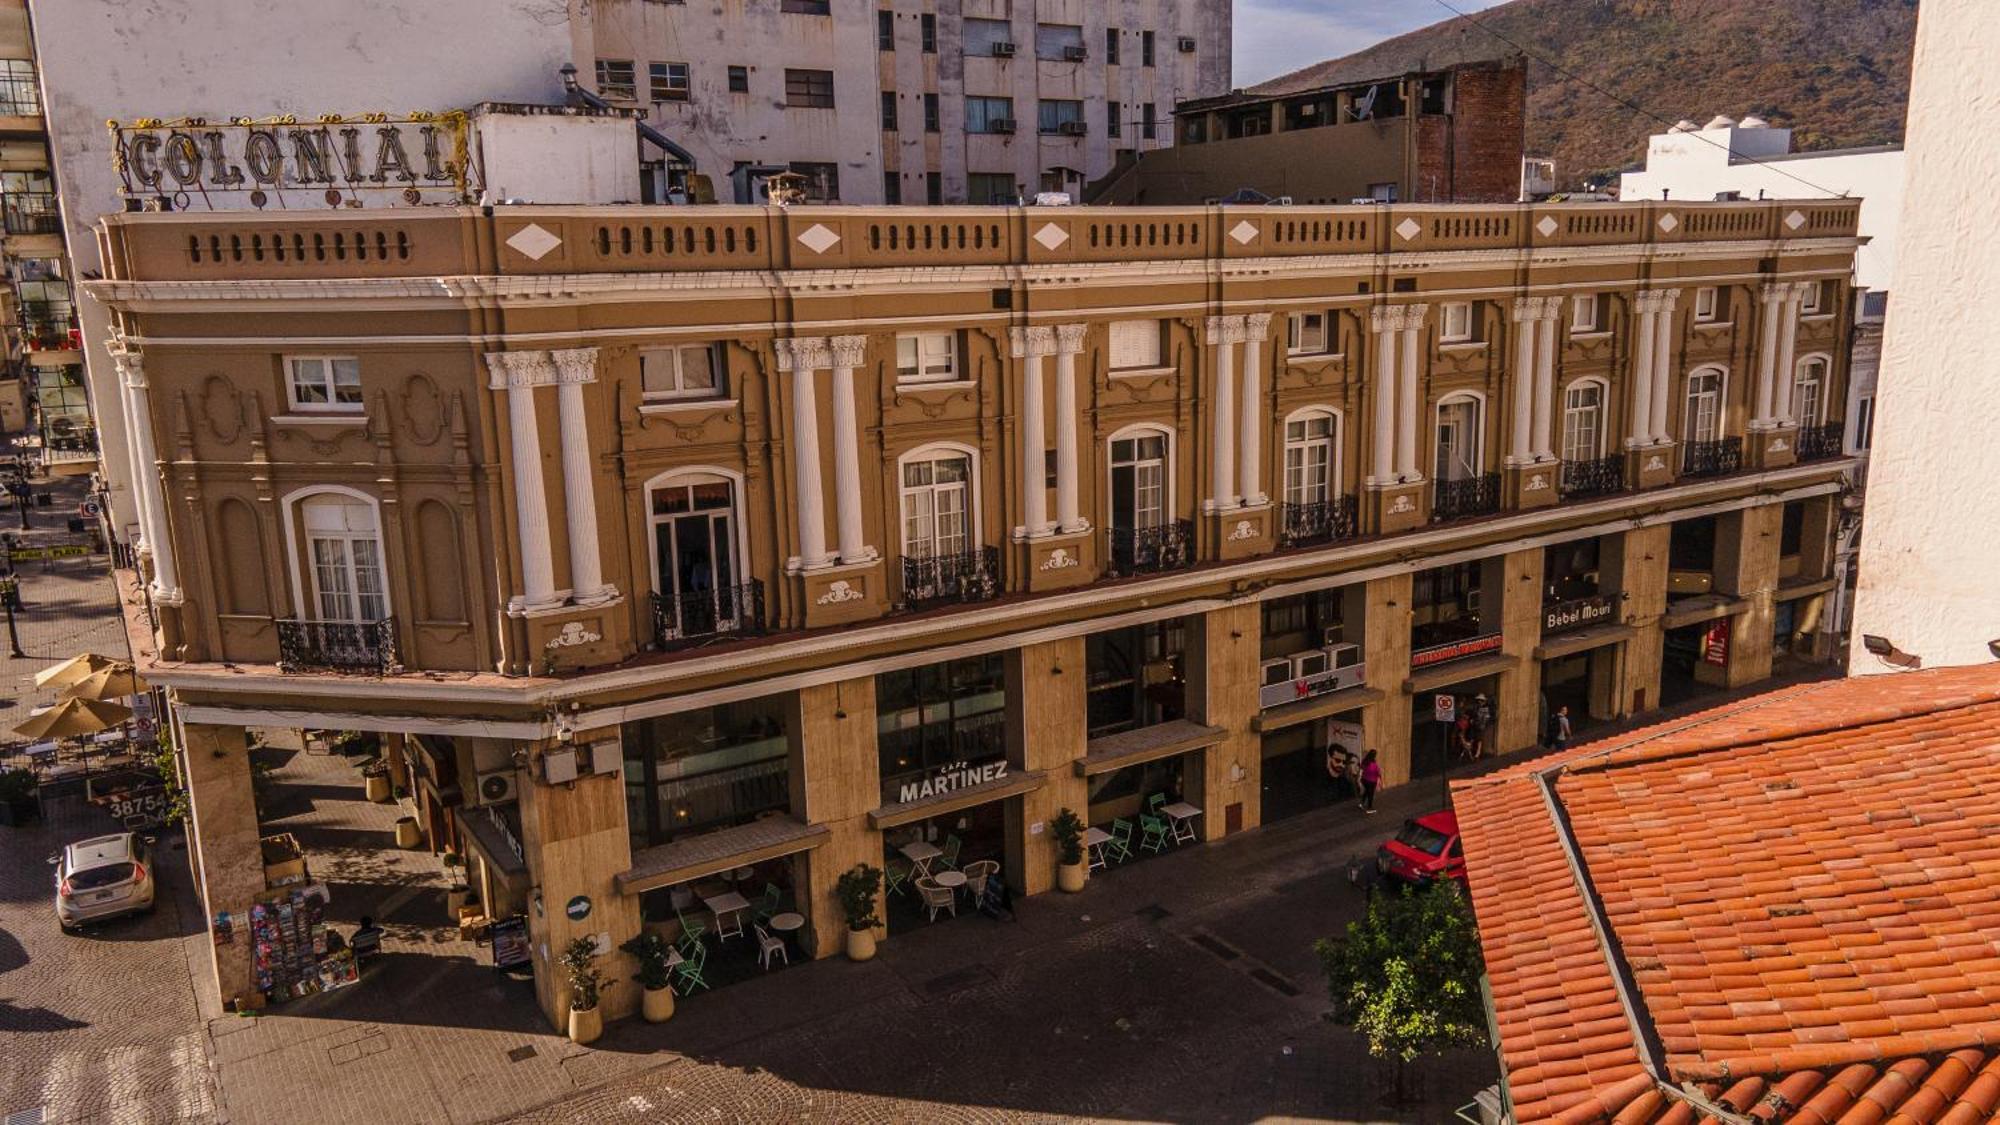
(1837, 72)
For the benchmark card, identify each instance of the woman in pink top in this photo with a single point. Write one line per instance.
(1371, 776)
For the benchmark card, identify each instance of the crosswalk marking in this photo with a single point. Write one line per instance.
(62, 1086)
(128, 1095)
(191, 1099)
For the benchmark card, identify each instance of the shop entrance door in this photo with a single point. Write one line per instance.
(1296, 778)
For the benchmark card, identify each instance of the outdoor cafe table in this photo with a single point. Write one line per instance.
(787, 923)
(952, 881)
(1183, 815)
(729, 902)
(1095, 838)
(920, 854)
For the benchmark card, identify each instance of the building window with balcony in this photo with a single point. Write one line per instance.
(697, 554)
(20, 91)
(934, 722)
(343, 621)
(616, 79)
(809, 89)
(1809, 391)
(937, 517)
(989, 115)
(1583, 421)
(1145, 536)
(713, 767)
(927, 357)
(1463, 486)
(29, 199)
(1703, 421)
(1059, 117)
(1455, 322)
(1314, 510)
(1136, 345)
(668, 81)
(1306, 333)
(322, 383)
(684, 372)
(48, 313)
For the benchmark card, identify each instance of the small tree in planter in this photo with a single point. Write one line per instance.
(857, 890)
(1067, 828)
(654, 977)
(579, 961)
(18, 802)
(457, 893)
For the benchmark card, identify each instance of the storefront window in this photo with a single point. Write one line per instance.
(1125, 792)
(1137, 677)
(1445, 605)
(941, 727)
(1691, 545)
(701, 770)
(1570, 570)
(1302, 622)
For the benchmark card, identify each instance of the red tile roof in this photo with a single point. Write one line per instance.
(1799, 894)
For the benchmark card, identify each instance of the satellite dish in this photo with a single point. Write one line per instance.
(1365, 108)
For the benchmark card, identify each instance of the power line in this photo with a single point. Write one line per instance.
(1633, 106)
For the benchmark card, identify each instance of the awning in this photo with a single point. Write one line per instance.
(1145, 744)
(1458, 671)
(1318, 707)
(1706, 607)
(487, 840)
(714, 852)
(1577, 640)
(905, 812)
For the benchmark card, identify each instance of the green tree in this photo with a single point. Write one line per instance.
(1407, 976)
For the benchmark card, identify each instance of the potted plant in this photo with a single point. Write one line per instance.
(18, 803)
(656, 1003)
(457, 893)
(857, 890)
(1067, 828)
(579, 960)
(375, 779)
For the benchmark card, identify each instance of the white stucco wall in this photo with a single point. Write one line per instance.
(558, 158)
(1930, 545)
(178, 58)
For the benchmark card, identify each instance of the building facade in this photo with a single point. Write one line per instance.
(41, 388)
(907, 101)
(665, 542)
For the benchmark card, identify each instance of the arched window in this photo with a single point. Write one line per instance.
(1809, 391)
(937, 503)
(1583, 421)
(1460, 452)
(1704, 407)
(343, 542)
(1141, 476)
(1312, 457)
(697, 553)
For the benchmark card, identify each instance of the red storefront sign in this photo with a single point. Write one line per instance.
(1454, 650)
(1715, 643)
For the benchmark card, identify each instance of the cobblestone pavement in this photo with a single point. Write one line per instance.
(71, 605)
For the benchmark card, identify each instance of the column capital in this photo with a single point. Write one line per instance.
(575, 365)
(803, 354)
(1069, 338)
(131, 366)
(1032, 340)
(1668, 299)
(1801, 288)
(1256, 326)
(1384, 318)
(1225, 330)
(1527, 308)
(1411, 317)
(1552, 307)
(519, 369)
(847, 350)
(1772, 292)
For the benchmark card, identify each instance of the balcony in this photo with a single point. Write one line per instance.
(1470, 496)
(962, 579)
(1817, 443)
(698, 616)
(1712, 458)
(1599, 477)
(1150, 550)
(1319, 521)
(366, 647)
(31, 212)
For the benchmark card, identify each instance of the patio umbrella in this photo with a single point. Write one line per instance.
(74, 717)
(73, 670)
(115, 682)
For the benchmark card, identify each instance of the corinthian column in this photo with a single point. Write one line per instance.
(1069, 344)
(1647, 301)
(1412, 324)
(803, 357)
(1545, 376)
(1224, 333)
(1250, 411)
(1526, 311)
(1030, 345)
(1788, 335)
(519, 373)
(854, 546)
(574, 368)
(1382, 321)
(1663, 367)
(147, 481)
(1772, 297)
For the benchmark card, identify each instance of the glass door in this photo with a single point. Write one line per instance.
(1458, 440)
(694, 545)
(1138, 483)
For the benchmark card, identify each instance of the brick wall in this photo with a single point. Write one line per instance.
(1488, 131)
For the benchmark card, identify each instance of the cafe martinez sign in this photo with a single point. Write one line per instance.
(949, 778)
(370, 160)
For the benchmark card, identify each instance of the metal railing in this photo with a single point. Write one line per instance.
(1469, 496)
(1712, 458)
(964, 578)
(1147, 550)
(698, 615)
(1600, 476)
(337, 646)
(1318, 521)
(1816, 442)
(30, 212)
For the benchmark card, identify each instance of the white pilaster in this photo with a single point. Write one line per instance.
(1640, 380)
(1412, 325)
(1663, 367)
(166, 587)
(1030, 345)
(574, 368)
(854, 548)
(803, 357)
(1382, 321)
(1545, 376)
(1772, 296)
(1224, 333)
(1788, 336)
(1069, 344)
(1521, 450)
(519, 373)
(1250, 411)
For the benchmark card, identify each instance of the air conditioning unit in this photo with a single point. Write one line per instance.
(1186, 44)
(1075, 54)
(1308, 664)
(559, 766)
(1330, 636)
(1072, 128)
(1003, 50)
(1277, 672)
(1004, 125)
(495, 787)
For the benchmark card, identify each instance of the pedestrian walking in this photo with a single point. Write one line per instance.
(1482, 721)
(1559, 729)
(1371, 778)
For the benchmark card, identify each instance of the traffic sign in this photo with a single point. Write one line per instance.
(87, 508)
(1445, 707)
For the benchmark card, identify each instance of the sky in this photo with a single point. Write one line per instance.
(1275, 37)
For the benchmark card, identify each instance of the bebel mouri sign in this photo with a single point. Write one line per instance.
(370, 160)
(1575, 614)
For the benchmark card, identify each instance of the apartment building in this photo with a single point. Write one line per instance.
(41, 388)
(907, 101)
(668, 542)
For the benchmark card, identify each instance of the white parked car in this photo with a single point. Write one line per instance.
(103, 877)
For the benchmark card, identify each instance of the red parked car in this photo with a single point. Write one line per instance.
(1427, 848)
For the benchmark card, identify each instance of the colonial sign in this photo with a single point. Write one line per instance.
(1454, 650)
(950, 777)
(1575, 614)
(370, 160)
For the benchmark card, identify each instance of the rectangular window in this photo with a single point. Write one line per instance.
(987, 37)
(1059, 117)
(20, 91)
(1111, 46)
(885, 30)
(892, 187)
(927, 357)
(1707, 304)
(668, 81)
(1112, 127)
(1146, 119)
(1145, 48)
(1583, 313)
(822, 181)
(889, 110)
(810, 89)
(324, 382)
(933, 188)
(701, 770)
(935, 523)
(739, 79)
(1305, 333)
(941, 726)
(687, 371)
(996, 188)
(1059, 42)
(1455, 322)
(930, 113)
(1815, 298)
(616, 79)
(807, 7)
(1136, 344)
(928, 25)
(1864, 422)
(989, 115)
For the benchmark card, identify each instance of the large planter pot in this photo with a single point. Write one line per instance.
(585, 1027)
(657, 1004)
(1070, 877)
(860, 944)
(377, 787)
(455, 900)
(408, 832)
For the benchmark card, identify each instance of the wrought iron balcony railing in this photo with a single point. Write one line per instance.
(367, 647)
(933, 580)
(30, 212)
(1148, 550)
(1599, 476)
(1468, 496)
(1712, 458)
(1816, 442)
(1318, 521)
(694, 616)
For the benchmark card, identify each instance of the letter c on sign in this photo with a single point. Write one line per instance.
(144, 157)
